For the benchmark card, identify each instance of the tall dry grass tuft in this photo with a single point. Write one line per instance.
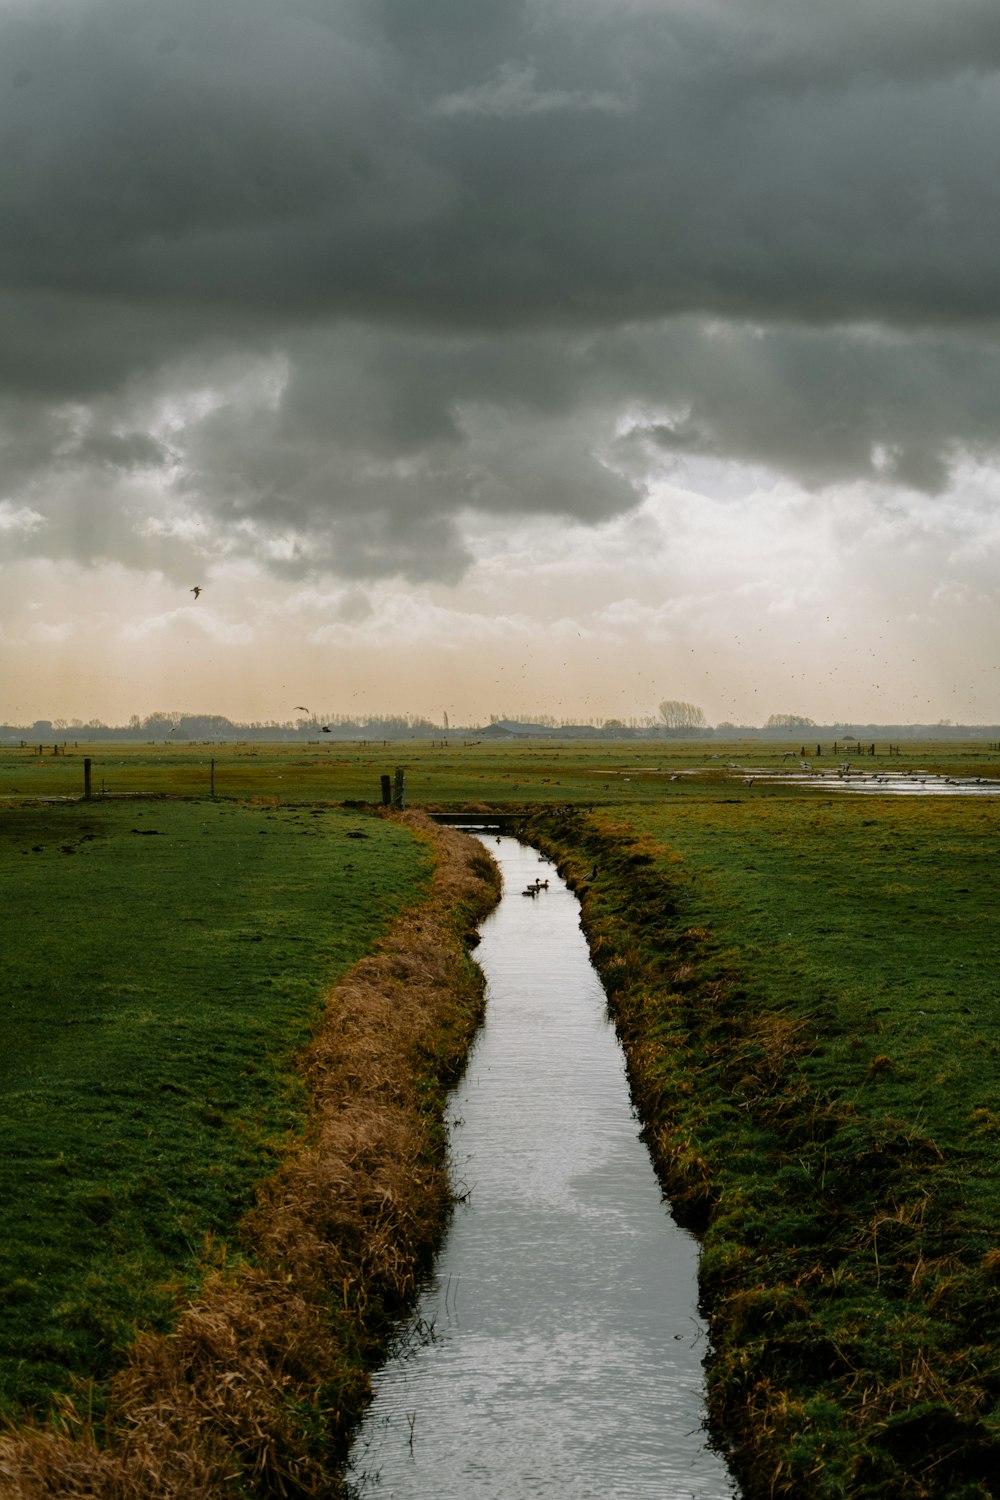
(259, 1385)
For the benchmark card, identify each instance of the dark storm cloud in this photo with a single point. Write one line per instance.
(826, 407)
(573, 163)
(494, 245)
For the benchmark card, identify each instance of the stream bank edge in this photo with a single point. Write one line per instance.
(259, 1386)
(838, 1366)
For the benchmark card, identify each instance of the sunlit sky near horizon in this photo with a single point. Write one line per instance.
(500, 357)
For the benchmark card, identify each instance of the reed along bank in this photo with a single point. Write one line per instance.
(256, 1387)
(822, 1117)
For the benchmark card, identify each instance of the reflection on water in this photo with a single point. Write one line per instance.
(561, 1349)
(884, 783)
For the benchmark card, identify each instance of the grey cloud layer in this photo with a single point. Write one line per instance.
(487, 239)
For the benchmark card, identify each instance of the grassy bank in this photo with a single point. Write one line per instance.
(807, 995)
(162, 965)
(251, 1386)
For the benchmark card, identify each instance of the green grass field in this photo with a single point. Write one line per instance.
(810, 987)
(875, 924)
(875, 918)
(162, 964)
(456, 772)
(815, 996)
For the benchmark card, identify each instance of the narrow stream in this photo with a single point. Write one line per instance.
(557, 1350)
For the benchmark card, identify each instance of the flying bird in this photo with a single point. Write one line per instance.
(302, 707)
(196, 590)
(325, 729)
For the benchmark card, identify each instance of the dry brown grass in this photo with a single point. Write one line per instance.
(259, 1385)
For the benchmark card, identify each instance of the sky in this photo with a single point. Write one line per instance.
(500, 357)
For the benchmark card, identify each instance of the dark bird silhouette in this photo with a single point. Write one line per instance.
(302, 707)
(325, 729)
(196, 590)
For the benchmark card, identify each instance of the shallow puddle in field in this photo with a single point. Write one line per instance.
(557, 1350)
(880, 783)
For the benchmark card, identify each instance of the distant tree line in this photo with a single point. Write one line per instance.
(676, 719)
(178, 726)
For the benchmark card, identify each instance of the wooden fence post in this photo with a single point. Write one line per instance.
(86, 778)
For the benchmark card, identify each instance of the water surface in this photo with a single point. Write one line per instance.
(561, 1351)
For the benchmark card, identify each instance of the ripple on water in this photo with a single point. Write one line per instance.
(565, 1351)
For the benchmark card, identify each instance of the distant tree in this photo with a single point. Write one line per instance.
(789, 721)
(677, 715)
(160, 723)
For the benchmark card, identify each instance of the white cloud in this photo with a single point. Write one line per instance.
(49, 634)
(20, 518)
(190, 618)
